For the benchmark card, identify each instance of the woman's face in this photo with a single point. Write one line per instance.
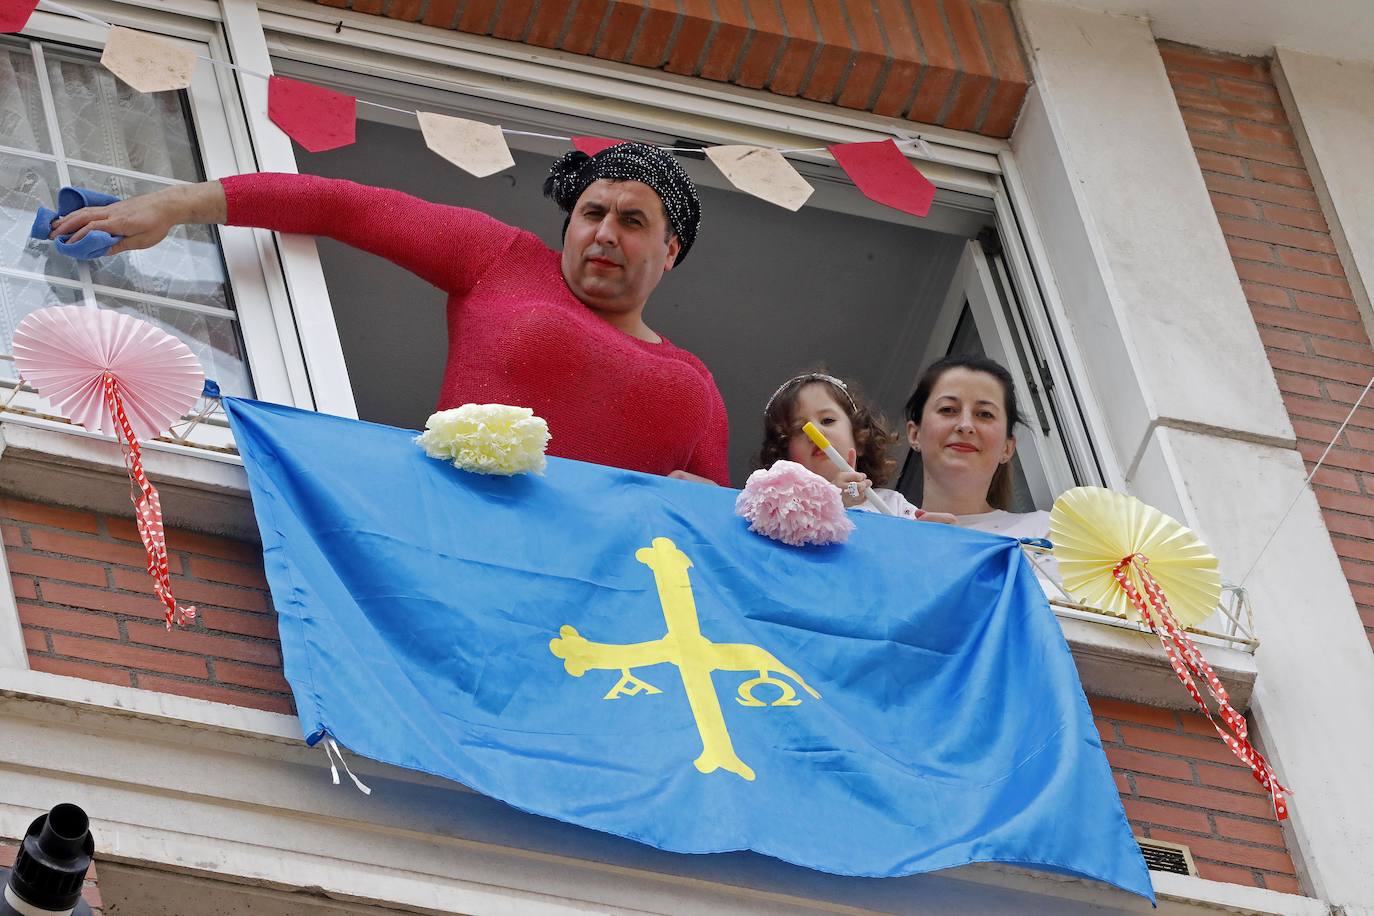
(963, 437)
(816, 404)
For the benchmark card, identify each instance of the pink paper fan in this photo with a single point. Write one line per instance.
(64, 351)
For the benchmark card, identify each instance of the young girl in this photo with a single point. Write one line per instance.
(853, 428)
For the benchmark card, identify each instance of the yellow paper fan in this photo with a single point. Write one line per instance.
(1093, 529)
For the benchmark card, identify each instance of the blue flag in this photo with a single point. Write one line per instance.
(619, 651)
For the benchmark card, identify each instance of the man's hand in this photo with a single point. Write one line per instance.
(687, 475)
(145, 220)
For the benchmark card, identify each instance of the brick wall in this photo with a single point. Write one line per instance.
(90, 892)
(86, 604)
(1297, 290)
(1180, 784)
(956, 63)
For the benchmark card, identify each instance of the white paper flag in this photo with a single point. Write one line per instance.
(146, 62)
(471, 145)
(762, 172)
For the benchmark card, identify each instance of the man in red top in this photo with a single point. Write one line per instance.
(562, 333)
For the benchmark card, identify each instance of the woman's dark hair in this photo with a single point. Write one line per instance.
(872, 439)
(999, 490)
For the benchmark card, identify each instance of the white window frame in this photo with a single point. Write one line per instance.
(271, 351)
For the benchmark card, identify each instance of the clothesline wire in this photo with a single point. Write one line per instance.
(1316, 467)
(62, 8)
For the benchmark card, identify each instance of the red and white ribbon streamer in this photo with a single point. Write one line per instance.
(147, 508)
(1188, 664)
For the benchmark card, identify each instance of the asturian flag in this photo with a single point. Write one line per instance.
(618, 651)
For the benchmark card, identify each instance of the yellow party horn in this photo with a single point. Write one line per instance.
(822, 443)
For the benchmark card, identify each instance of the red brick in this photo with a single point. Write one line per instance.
(1251, 250)
(1236, 778)
(51, 516)
(82, 670)
(1337, 523)
(1203, 797)
(548, 22)
(190, 591)
(1184, 80)
(1355, 571)
(1282, 340)
(205, 544)
(241, 650)
(1166, 815)
(1246, 149)
(684, 55)
(12, 536)
(255, 676)
(1234, 206)
(1206, 121)
(1277, 174)
(1225, 165)
(1300, 214)
(1297, 384)
(1344, 309)
(835, 57)
(1279, 235)
(1254, 92)
(1339, 457)
(512, 19)
(202, 691)
(1178, 745)
(976, 79)
(1316, 432)
(1264, 832)
(905, 68)
(1295, 320)
(1266, 133)
(655, 30)
(1292, 279)
(7, 853)
(371, 7)
(145, 605)
(54, 568)
(1327, 264)
(1250, 111)
(1155, 765)
(1353, 549)
(263, 626)
(1267, 295)
(1349, 352)
(476, 17)
(1137, 713)
(1182, 57)
(249, 576)
(35, 640)
(761, 52)
(1107, 732)
(91, 548)
(799, 49)
(1293, 198)
(1284, 884)
(941, 65)
(871, 56)
(129, 656)
(1012, 80)
(23, 587)
(619, 30)
(723, 51)
(1215, 871)
(50, 618)
(404, 10)
(1230, 853)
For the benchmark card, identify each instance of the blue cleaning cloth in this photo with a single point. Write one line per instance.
(95, 244)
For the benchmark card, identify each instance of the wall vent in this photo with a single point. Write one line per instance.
(1170, 857)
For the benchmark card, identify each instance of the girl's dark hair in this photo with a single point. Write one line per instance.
(999, 490)
(872, 439)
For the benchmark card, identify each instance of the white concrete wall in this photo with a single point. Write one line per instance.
(1331, 106)
(1173, 353)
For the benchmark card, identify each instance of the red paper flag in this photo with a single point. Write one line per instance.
(883, 174)
(14, 14)
(318, 119)
(593, 145)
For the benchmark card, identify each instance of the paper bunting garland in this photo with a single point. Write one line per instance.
(108, 370)
(1115, 551)
(477, 148)
(14, 14)
(146, 62)
(593, 145)
(884, 175)
(762, 172)
(318, 119)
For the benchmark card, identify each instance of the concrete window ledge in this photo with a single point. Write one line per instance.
(208, 491)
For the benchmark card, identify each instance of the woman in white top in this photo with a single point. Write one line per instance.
(962, 418)
(853, 428)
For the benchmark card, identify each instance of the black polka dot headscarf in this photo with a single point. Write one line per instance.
(575, 171)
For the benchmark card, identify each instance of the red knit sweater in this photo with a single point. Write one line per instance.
(517, 334)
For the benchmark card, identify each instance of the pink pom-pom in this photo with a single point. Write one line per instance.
(788, 503)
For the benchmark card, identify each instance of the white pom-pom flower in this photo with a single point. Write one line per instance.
(487, 439)
(788, 503)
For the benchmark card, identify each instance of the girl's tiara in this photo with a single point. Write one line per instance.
(812, 377)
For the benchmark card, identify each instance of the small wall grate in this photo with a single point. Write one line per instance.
(1170, 857)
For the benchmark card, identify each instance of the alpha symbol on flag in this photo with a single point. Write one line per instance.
(694, 655)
